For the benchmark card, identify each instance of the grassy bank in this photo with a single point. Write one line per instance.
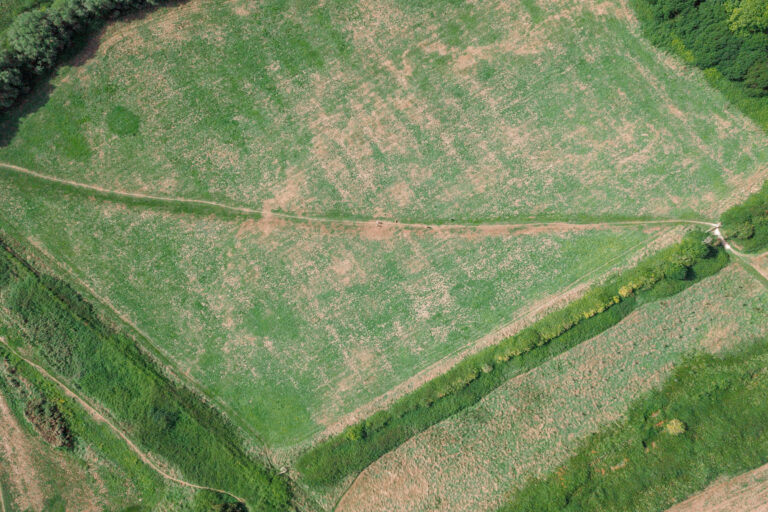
(709, 419)
(661, 275)
(62, 330)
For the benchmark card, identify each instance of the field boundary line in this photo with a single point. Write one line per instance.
(243, 210)
(102, 418)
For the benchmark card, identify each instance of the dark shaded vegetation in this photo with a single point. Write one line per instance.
(108, 367)
(38, 409)
(34, 42)
(661, 275)
(122, 121)
(747, 223)
(49, 422)
(709, 419)
(12, 8)
(727, 39)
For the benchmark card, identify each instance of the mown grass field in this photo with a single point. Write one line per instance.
(295, 326)
(524, 429)
(395, 110)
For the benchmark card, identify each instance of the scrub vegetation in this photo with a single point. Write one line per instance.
(167, 419)
(708, 420)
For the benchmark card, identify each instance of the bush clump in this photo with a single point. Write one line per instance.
(49, 423)
(747, 223)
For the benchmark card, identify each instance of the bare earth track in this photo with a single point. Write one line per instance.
(484, 228)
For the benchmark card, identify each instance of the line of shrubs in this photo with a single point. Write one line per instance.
(165, 418)
(747, 222)
(36, 39)
(665, 273)
(709, 419)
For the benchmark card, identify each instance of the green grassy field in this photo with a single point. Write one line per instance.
(295, 326)
(400, 110)
(526, 428)
(395, 110)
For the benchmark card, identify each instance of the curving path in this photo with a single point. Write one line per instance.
(97, 416)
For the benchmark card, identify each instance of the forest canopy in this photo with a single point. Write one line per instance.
(730, 36)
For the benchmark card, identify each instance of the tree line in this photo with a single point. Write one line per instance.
(661, 275)
(34, 42)
(729, 36)
(728, 39)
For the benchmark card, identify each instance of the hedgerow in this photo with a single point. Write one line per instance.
(108, 367)
(36, 39)
(662, 274)
(710, 419)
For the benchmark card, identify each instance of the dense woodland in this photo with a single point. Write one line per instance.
(37, 37)
(726, 38)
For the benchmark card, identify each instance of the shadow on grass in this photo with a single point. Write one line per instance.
(82, 48)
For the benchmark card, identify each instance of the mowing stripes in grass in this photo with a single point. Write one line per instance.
(661, 275)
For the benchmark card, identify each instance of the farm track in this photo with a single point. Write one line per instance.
(459, 228)
(102, 418)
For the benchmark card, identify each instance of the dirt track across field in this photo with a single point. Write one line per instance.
(451, 228)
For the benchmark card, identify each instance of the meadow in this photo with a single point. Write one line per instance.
(540, 110)
(296, 326)
(463, 125)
